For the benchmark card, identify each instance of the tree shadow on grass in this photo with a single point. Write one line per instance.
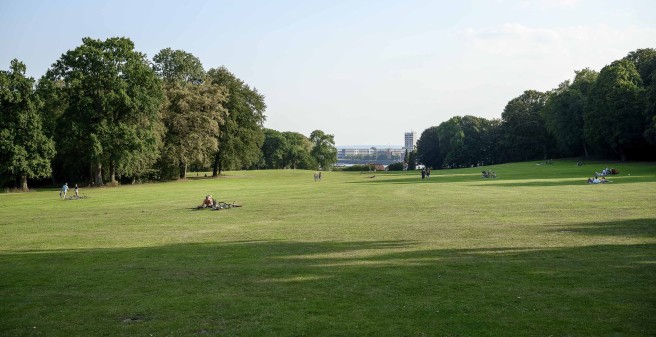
(644, 228)
(372, 288)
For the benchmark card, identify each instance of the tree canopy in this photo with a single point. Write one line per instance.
(25, 149)
(112, 103)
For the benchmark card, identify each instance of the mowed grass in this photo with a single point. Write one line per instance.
(534, 252)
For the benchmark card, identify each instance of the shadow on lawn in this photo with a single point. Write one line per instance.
(645, 228)
(371, 288)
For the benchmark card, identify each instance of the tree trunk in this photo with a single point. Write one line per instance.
(585, 150)
(622, 155)
(112, 172)
(183, 170)
(23, 179)
(215, 166)
(97, 172)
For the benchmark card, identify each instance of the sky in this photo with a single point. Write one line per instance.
(363, 71)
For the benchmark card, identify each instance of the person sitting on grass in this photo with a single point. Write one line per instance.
(207, 202)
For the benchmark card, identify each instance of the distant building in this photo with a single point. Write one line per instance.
(410, 140)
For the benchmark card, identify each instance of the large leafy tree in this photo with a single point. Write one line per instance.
(298, 151)
(645, 63)
(242, 134)
(564, 112)
(467, 140)
(192, 114)
(525, 133)
(615, 121)
(25, 150)
(451, 138)
(428, 148)
(323, 149)
(178, 66)
(111, 117)
(274, 149)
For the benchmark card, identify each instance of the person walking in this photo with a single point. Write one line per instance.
(64, 189)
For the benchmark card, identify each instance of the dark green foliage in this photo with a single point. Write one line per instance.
(358, 168)
(323, 149)
(525, 132)
(412, 160)
(273, 150)
(615, 122)
(111, 117)
(25, 149)
(178, 66)
(428, 148)
(297, 154)
(395, 167)
(242, 134)
(564, 110)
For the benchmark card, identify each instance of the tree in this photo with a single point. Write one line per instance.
(525, 132)
(428, 148)
(178, 66)
(412, 160)
(274, 149)
(645, 63)
(451, 138)
(564, 110)
(323, 149)
(615, 121)
(242, 134)
(25, 150)
(298, 151)
(192, 115)
(112, 106)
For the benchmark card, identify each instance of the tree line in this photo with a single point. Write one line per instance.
(606, 114)
(104, 113)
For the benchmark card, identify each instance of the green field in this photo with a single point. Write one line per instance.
(534, 252)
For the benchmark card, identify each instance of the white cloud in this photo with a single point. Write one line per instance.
(576, 42)
(511, 39)
(550, 4)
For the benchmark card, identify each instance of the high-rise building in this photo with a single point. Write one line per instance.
(410, 140)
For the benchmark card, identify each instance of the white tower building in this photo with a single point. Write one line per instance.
(410, 140)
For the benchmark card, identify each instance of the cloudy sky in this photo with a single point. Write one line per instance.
(364, 71)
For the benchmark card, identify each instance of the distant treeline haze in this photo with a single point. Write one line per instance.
(104, 113)
(606, 114)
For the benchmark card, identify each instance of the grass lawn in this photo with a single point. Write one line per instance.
(534, 252)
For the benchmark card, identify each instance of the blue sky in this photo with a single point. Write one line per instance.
(364, 71)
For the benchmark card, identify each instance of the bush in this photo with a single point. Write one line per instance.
(357, 168)
(395, 167)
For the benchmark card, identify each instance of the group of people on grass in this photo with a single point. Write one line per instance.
(606, 172)
(488, 174)
(597, 180)
(425, 173)
(64, 191)
(600, 177)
